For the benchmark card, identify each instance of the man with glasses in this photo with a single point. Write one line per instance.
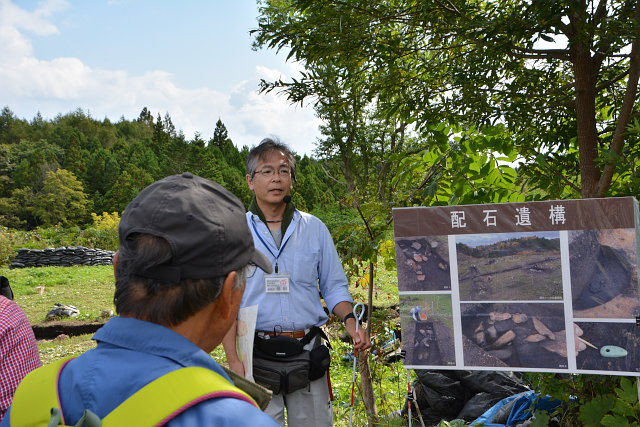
(185, 250)
(305, 265)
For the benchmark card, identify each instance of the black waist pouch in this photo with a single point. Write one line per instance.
(281, 364)
(278, 347)
(319, 362)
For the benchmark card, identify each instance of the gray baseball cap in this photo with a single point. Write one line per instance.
(204, 223)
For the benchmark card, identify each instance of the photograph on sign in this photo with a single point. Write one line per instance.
(509, 266)
(427, 325)
(604, 273)
(423, 264)
(517, 335)
(609, 346)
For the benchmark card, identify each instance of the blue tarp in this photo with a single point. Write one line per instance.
(520, 407)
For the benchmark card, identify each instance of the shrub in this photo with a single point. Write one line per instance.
(107, 221)
(103, 235)
(12, 240)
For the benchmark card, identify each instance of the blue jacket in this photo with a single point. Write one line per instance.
(130, 354)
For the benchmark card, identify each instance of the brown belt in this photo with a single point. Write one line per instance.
(292, 334)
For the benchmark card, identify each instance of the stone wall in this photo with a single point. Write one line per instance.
(65, 256)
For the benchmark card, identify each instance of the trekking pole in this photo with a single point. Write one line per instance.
(353, 380)
(409, 397)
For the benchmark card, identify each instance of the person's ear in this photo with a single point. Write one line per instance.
(229, 300)
(249, 182)
(116, 260)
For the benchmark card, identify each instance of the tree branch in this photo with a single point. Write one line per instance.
(452, 8)
(624, 117)
(562, 54)
(610, 82)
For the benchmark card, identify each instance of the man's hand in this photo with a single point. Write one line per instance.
(229, 345)
(236, 366)
(361, 340)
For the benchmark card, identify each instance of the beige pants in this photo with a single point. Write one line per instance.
(307, 407)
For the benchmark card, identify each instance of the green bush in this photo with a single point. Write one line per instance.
(12, 240)
(591, 400)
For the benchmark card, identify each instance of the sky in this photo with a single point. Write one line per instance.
(111, 58)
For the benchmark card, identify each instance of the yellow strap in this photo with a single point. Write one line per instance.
(33, 399)
(149, 406)
(171, 392)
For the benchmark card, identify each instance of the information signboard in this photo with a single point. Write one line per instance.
(548, 286)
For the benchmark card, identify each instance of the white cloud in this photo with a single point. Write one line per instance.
(13, 19)
(274, 114)
(60, 85)
(267, 73)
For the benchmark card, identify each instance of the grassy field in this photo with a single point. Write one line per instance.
(90, 289)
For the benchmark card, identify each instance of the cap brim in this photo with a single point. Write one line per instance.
(261, 261)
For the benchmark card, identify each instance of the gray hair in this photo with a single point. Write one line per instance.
(156, 300)
(260, 151)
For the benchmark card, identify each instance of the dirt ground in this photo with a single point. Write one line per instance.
(50, 330)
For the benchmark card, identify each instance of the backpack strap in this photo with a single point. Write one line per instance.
(166, 397)
(155, 404)
(41, 386)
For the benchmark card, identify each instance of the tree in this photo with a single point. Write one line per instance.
(146, 117)
(568, 105)
(32, 161)
(12, 130)
(16, 210)
(129, 183)
(210, 168)
(472, 79)
(102, 172)
(75, 159)
(61, 201)
(220, 135)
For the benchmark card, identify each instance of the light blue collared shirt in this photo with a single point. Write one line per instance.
(308, 255)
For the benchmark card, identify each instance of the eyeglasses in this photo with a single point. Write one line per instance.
(270, 172)
(251, 269)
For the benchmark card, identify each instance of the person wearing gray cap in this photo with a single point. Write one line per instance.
(185, 252)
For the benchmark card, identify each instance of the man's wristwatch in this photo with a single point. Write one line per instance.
(349, 316)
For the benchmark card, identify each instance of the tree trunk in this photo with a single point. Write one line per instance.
(366, 381)
(368, 396)
(624, 117)
(586, 120)
(585, 86)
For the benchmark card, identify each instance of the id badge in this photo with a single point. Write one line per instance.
(276, 283)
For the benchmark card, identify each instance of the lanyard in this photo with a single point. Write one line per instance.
(275, 268)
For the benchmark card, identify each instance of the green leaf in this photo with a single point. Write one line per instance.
(627, 391)
(614, 421)
(540, 419)
(624, 409)
(486, 168)
(592, 412)
(493, 177)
